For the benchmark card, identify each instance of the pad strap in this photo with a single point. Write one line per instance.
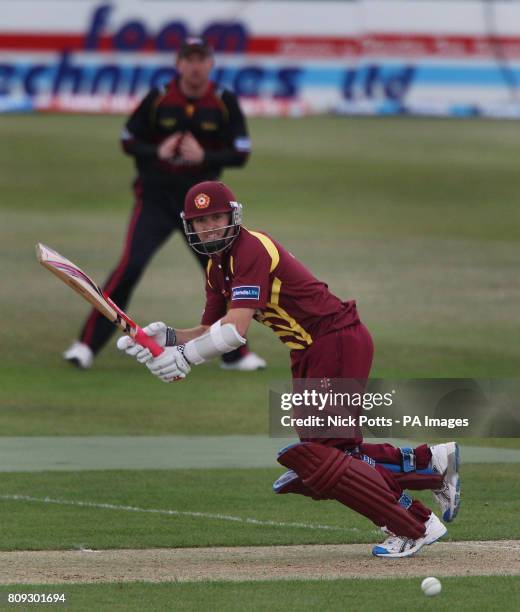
(405, 501)
(407, 459)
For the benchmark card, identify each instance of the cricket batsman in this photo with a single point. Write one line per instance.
(251, 276)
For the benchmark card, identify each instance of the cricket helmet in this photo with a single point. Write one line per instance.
(211, 198)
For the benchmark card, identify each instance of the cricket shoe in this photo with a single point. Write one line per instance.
(395, 547)
(248, 363)
(446, 461)
(80, 355)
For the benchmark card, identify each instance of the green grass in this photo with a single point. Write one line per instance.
(241, 493)
(466, 594)
(417, 219)
(364, 170)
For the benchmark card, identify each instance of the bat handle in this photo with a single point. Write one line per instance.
(144, 340)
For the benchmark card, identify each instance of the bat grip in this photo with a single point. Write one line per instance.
(144, 340)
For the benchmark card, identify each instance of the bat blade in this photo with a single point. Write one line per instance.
(72, 275)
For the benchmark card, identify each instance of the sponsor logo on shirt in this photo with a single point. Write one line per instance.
(246, 292)
(168, 122)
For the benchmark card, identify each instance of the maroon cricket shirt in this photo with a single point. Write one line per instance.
(257, 272)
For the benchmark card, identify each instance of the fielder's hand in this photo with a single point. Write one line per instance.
(156, 330)
(168, 148)
(190, 149)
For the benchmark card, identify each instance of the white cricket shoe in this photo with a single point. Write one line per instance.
(80, 355)
(399, 546)
(247, 363)
(446, 461)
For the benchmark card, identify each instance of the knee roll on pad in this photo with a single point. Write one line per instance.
(330, 473)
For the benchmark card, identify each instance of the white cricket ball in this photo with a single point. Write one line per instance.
(431, 586)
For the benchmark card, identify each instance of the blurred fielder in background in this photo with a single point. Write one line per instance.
(179, 135)
(250, 275)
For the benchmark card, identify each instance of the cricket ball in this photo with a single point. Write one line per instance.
(431, 586)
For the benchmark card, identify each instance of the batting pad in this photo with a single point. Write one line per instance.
(418, 480)
(290, 482)
(329, 472)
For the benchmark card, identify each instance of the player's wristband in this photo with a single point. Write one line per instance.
(171, 337)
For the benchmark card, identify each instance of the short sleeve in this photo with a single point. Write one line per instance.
(250, 287)
(215, 307)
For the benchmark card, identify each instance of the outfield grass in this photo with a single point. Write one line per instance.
(465, 594)
(36, 525)
(417, 219)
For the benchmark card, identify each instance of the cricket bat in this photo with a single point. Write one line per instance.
(73, 276)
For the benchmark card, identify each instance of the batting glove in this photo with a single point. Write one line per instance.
(158, 330)
(170, 365)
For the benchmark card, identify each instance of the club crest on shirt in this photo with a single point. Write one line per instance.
(246, 292)
(202, 200)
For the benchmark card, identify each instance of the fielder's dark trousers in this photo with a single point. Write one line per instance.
(155, 217)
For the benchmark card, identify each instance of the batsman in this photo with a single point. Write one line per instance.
(251, 276)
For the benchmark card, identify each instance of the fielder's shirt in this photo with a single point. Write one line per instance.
(215, 120)
(257, 272)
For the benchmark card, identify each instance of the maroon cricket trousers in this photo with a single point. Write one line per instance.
(347, 353)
